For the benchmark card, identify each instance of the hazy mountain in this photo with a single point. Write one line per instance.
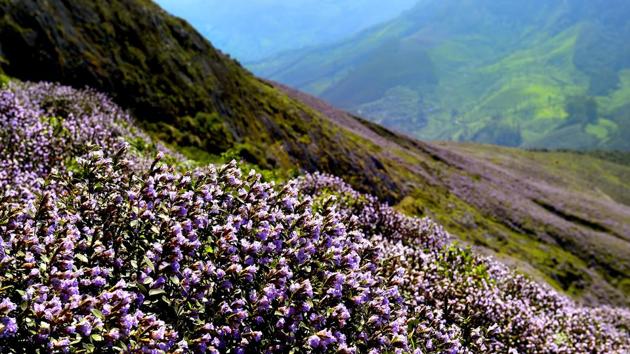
(560, 217)
(539, 73)
(254, 29)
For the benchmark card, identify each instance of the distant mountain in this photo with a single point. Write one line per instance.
(551, 74)
(255, 29)
(560, 217)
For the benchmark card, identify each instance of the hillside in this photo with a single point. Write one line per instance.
(199, 102)
(449, 70)
(108, 248)
(559, 216)
(183, 90)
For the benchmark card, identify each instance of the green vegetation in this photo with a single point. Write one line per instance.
(183, 91)
(619, 157)
(535, 74)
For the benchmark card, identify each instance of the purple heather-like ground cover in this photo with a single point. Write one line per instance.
(102, 249)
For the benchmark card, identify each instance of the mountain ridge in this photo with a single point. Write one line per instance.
(182, 90)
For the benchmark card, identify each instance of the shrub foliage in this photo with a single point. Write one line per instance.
(103, 250)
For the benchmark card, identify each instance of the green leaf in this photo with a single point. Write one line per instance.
(81, 257)
(155, 292)
(96, 337)
(90, 348)
(98, 313)
(141, 287)
(149, 263)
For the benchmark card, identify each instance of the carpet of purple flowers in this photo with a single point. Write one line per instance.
(102, 250)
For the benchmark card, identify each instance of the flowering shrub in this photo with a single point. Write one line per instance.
(461, 303)
(101, 250)
(45, 126)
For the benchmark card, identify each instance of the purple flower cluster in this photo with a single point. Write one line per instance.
(458, 302)
(103, 256)
(101, 251)
(205, 261)
(45, 126)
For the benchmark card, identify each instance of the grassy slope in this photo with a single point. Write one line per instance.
(488, 78)
(196, 99)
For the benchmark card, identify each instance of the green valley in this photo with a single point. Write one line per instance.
(538, 74)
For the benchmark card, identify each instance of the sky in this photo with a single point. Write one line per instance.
(251, 30)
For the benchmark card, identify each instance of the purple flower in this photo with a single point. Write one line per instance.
(6, 306)
(84, 327)
(99, 282)
(9, 327)
(158, 282)
(313, 341)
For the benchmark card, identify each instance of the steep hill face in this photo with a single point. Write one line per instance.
(535, 74)
(194, 98)
(182, 89)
